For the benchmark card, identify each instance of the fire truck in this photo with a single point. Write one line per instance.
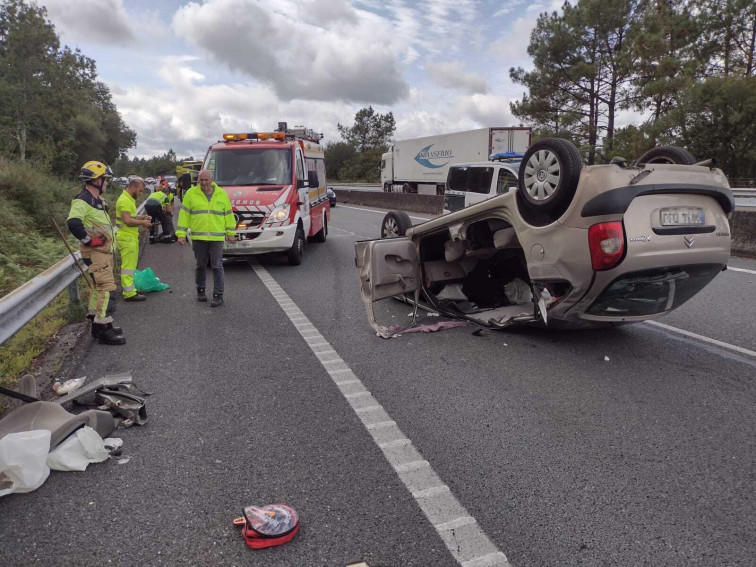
(276, 184)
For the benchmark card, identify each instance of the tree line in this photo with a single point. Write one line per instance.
(686, 67)
(53, 109)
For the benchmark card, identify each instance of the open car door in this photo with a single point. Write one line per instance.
(388, 268)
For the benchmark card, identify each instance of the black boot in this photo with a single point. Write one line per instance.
(217, 300)
(201, 294)
(118, 330)
(106, 334)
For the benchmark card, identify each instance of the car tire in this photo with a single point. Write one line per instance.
(322, 234)
(547, 180)
(667, 154)
(295, 253)
(395, 224)
(387, 187)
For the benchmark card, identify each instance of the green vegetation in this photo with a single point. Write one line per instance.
(356, 159)
(688, 66)
(148, 167)
(53, 110)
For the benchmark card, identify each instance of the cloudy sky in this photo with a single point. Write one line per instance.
(182, 73)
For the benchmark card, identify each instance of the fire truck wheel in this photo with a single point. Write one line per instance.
(294, 255)
(321, 235)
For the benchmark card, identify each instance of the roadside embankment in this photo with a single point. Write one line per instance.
(743, 229)
(412, 202)
(742, 223)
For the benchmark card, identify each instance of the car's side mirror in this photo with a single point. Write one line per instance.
(312, 178)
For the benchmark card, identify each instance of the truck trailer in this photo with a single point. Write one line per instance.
(421, 165)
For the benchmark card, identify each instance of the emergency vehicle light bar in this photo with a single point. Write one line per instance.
(254, 136)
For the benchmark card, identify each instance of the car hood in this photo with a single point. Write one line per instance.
(259, 197)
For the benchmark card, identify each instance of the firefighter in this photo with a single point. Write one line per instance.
(206, 213)
(160, 206)
(89, 222)
(128, 223)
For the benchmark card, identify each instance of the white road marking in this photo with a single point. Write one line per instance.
(464, 538)
(349, 232)
(722, 344)
(741, 270)
(383, 212)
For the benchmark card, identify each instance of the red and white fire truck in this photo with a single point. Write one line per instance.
(276, 183)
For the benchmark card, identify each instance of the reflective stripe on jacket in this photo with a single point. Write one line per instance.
(126, 204)
(206, 219)
(89, 216)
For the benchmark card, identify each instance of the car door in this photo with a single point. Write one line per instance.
(387, 268)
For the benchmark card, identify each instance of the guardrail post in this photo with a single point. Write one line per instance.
(75, 307)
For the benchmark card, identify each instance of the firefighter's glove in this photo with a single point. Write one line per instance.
(96, 241)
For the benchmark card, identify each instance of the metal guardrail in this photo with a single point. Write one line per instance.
(744, 198)
(23, 303)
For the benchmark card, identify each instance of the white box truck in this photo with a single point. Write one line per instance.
(421, 165)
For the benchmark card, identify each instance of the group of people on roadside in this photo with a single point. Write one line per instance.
(205, 214)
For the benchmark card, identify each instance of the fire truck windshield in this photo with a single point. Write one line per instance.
(250, 166)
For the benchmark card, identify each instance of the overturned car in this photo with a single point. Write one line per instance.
(569, 246)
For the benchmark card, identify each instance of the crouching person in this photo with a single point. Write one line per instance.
(206, 213)
(89, 222)
(160, 206)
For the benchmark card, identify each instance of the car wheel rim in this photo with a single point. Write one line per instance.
(390, 230)
(542, 174)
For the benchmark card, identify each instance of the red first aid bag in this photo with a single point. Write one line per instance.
(266, 526)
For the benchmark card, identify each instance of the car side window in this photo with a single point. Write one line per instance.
(506, 180)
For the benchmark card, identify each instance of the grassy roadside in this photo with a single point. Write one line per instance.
(29, 199)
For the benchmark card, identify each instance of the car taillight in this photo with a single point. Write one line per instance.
(606, 241)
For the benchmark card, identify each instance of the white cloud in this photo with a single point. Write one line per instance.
(300, 56)
(95, 21)
(188, 113)
(452, 75)
(486, 109)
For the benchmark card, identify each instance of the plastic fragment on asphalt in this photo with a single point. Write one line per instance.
(606, 358)
(505, 344)
(68, 386)
(123, 461)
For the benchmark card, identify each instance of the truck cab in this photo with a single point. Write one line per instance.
(471, 183)
(276, 184)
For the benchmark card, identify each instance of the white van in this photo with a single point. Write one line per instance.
(471, 183)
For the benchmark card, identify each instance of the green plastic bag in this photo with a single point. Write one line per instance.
(147, 281)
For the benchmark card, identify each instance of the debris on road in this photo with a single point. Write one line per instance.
(266, 526)
(68, 386)
(23, 461)
(83, 447)
(606, 358)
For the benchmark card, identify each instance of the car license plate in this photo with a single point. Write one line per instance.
(681, 216)
(239, 244)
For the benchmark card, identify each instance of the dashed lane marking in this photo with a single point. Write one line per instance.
(729, 268)
(722, 344)
(382, 212)
(464, 538)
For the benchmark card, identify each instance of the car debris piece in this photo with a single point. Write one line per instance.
(23, 461)
(81, 448)
(68, 386)
(119, 400)
(109, 380)
(266, 526)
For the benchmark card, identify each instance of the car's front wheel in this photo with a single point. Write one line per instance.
(395, 224)
(548, 178)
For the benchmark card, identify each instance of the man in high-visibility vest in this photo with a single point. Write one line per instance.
(128, 223)
(160, 206)
(89, 222)
(206, 213)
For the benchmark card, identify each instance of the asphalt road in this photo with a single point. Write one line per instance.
(561, 456)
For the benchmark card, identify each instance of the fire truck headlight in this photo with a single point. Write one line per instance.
(280, 214)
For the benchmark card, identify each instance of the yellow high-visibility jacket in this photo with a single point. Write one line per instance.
(126, 203)
(206, 219)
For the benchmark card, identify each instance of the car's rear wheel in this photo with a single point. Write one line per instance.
(547, 181)
(395, 224)
(667, 154)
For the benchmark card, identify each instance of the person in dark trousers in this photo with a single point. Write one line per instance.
(206, 214)
(89, 222)
(160, 206)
